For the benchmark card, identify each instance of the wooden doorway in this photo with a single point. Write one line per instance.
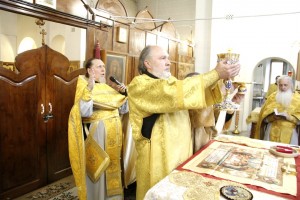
(35, 102)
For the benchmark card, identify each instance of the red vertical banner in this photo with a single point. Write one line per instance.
(97, 51)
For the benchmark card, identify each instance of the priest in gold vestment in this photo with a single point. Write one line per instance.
(279, 116)
(159, 116)
(95, 114)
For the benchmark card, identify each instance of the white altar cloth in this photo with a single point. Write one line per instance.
(166, 190)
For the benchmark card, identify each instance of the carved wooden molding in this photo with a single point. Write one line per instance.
(168, 29)
(144, 14)
(45, 13)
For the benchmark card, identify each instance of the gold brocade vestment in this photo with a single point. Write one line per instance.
(203, 126)
(281, 130)
(171, 140)
(106, 102)
(272, 88)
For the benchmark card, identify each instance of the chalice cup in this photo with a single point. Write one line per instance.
(227, 104)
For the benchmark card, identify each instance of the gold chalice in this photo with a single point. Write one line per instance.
(227, 104)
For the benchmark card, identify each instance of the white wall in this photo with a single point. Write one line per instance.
(255, 38)
(12, 36)
(73, 50)
(203, 36)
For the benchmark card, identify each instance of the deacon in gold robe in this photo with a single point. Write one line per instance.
(95, 114)
(202, 123)
(203, 120)
(159, 116)
(279, 117)
(203, 126)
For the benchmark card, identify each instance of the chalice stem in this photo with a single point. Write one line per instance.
(228, 86)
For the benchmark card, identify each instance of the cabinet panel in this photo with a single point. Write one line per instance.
(59, 98)
(34, 151)
(22, 130)
(62, 100)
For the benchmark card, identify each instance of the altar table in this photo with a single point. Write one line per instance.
(168, 189)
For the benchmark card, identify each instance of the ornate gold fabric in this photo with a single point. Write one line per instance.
(203, 126)
(76, 151)
(212, 88)
(106, 103)
(202, 117)
(171, 141)
(272, 88)
(129, 151)
(97, 160)
(113, 144)
(254, 115)
(199, 187)
(281, 130)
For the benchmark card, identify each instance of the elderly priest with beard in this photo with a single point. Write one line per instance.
(279, 117)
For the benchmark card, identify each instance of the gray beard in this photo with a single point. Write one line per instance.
(165, 75)
(284, 98)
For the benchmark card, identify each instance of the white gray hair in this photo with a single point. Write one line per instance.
(145, 54)
(286, 77)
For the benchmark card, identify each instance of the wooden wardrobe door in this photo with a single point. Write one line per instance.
(22, 129)
(60, 93)
(34, 109)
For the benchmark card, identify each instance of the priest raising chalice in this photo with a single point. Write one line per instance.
(231, 102)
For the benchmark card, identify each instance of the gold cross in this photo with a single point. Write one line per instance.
(43, 32)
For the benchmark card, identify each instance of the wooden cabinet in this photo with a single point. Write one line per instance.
(34, 109)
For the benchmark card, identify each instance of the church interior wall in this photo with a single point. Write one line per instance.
(255, 38)
(194, 47)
